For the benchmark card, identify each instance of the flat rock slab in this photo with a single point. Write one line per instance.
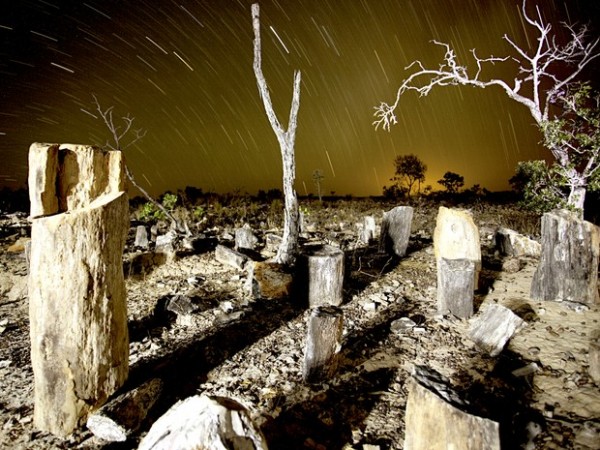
(493, 327)
(511, 243)
(230, 257)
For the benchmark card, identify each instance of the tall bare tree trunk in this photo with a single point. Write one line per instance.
(288, 249)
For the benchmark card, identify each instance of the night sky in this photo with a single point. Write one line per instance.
(183, 69)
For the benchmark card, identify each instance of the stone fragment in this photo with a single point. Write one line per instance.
(594, 361)
(511, 243)
(434, 424)
(123, 415)
(245, 238)
(568, 267)
(269, 280)
(230, 257)
(493, 327)
(368, 230)
(456, 237)
(395, 230)
(141, 237)
(207, 423)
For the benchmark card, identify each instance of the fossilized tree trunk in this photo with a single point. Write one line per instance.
(568, 268)
(325, 276)
(77, 297)
(288, 250)
(395, 230)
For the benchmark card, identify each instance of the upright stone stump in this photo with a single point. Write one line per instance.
(434, 424)
(395, 230)
(456, 237)
(568, 268)
(77, 297)
(455, 287)
(368, 230)
(325, 276)
(323, 342)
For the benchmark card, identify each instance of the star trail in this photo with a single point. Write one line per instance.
(183, 69)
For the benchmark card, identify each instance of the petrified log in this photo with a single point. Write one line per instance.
(141, 237)
(493, 327)
(325, 276)
(368, 229)
(434, 424)
(77, 297)
(568, 268)
(230, 257)
(395, 230)
(206, 423)
(123, 415)
(511, 243)
(456, 237)
(455, 279)
(323, 342)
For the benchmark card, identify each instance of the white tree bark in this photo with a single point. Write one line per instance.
(288, 249)
(542, 77)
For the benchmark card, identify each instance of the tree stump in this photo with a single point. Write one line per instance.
(323, 342)
(325, 276)
(123, 415)
(568, 268)
(206, 423)
(395, 230)
(77, 297)
(434, 424)
(455, 279)
(456, 237)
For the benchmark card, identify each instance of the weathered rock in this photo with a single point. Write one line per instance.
(511, 243)
(323, 343)
(141, 237)
(269, 280)
(207, 423)
(166, 243)
(272, 242)
(180, 304)
(395, 230)
(433, 424)
(124, 414)
(77, 297)
(86, 173)
(493, 327)
(230, 257)
(245, 238)
(369, 230)
(511, 265)
(568, 268)
(325, 276)
(456, 237)
(455, 287)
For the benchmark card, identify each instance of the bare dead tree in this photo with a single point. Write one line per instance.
(118, 132)
(288, 250)
(544, 74)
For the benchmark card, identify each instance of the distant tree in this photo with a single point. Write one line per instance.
(318, 178)
(289, 248)
(544, 82)
(393, 192)
(193, 194)
(409, 170)
(452, 182)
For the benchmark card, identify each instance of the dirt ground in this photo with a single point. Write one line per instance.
(252, 350)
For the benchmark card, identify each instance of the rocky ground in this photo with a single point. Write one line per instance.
(233, 345)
